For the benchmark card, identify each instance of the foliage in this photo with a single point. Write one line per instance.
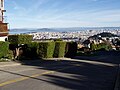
(30, 51)
(59, 49)
(118, 42)
(70, 49)
(39, 50)
(101, 46)
(4, 49)
(93, 47)
(58, 39)
(9, 55)
(19, 39)
(46, 49)
(104, 34)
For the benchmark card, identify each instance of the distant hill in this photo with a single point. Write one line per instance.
(104, 34)
(72, 29)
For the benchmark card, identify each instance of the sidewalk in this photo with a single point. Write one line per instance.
(16, 63)
(6, 64)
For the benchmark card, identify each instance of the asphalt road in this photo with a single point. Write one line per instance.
(98, 73)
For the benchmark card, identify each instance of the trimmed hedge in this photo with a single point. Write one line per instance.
(19, 39)
(46, 49)
(59, 49)
(71, 49)
(30, 51)
(4, 49)
(39, 50)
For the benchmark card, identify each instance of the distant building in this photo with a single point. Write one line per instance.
(3, 24)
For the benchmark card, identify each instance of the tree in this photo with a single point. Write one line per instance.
(17, 42)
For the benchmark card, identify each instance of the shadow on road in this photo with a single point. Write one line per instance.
(79, 75)
(103, 56)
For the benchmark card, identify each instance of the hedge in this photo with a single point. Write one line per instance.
(4, 49)
(59, 49)
(19, 39)
(39, 50)
(71, 49)
(46, 49)
(30, 51)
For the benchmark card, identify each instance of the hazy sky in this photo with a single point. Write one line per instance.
(62, 13)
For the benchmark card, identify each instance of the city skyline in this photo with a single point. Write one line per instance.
(62, 13)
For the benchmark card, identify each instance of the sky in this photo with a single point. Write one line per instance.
(62, 13)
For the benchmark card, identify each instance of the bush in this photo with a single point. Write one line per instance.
(59, 49)
(71, 49)
(30, 51)
(46, 49)
(19, 39)
(38, 50)
(58, 40)
(93, 47)
(9, 55)
(4, 49)
(101, 46)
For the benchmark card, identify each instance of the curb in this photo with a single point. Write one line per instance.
(56, 58)
(10, 64)
(117, 82)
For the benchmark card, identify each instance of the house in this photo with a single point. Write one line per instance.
(3, 24)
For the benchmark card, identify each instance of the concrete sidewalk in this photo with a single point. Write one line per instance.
(6, 64)
(16, 63)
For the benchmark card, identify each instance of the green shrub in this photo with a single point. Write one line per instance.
(93, 47)
(19, 39)
(104, 46)
(9, 54)
(59, 49)
(70, 49)
(4, 49)
(46, 49)
(101, 46)
(30, 51)
(38, 50)
(58, 40)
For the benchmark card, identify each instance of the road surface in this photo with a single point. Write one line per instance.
(98, 73)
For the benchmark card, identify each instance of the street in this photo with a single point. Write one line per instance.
(70, 74)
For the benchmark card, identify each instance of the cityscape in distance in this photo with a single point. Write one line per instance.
(74, 34)
(74, 29)
(59, 44)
